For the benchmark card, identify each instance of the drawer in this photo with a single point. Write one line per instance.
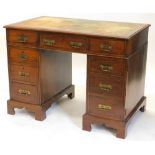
(75, 43)
(22, 37)
(24, 56)
(24, 93)
(51, 40)
(24, 73)
(107, 46)
(106, 107)
(106, 86)
(106, 65)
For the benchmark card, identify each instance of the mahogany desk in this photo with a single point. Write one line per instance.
(40, 67)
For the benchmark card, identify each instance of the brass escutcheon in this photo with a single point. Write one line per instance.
(23, 56)
(106, 68)
(23, 74)
(105, 87)
(22, 39)
(104, 107)
(106, 47)
(48, 42)
(75, 44)
(24, 92)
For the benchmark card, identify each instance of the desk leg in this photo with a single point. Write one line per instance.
(40, 114)
(121, 133)
(71, 93)
(86, 123)
(10, 109)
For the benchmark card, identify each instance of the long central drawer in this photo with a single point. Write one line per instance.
(63, 42)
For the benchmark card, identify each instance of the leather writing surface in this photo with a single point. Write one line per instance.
(81, 26)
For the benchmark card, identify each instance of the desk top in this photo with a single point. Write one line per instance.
(81, 26)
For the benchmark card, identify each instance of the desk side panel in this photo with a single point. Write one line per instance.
(55, 73)
(135, 84)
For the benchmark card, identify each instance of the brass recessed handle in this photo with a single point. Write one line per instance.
(104, 107)
(23, 74)
(75, 44)
(22, 39)
(105, 87)
(48, 42)
(106, 68)
(106, 47)
(24, 92)
(23, 56)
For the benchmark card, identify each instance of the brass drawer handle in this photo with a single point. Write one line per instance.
(23, 56)
(22, 39)
(24, 92)
(23, 74)
(105, 47)
(106, 68)
(105, 87)
(75, 44)
(48, 42)
(104, 107)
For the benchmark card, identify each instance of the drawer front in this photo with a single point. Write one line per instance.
(24, 56)
(106, 86)
(24, 73)
(23, 38)
(105, 65)
(51, 40)
(75, 43)
(106, 107)
(24, 93)
(107, 46)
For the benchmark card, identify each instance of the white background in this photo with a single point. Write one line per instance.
(61, 132)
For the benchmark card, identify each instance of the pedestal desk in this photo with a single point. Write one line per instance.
(40, 67)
